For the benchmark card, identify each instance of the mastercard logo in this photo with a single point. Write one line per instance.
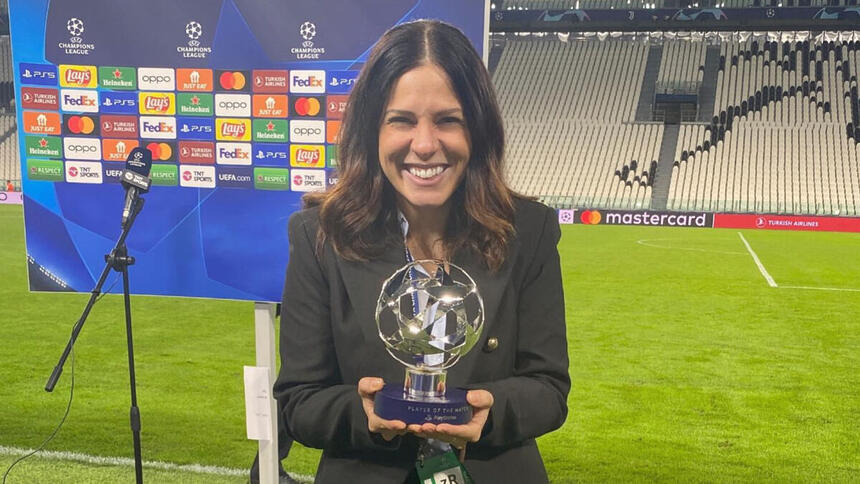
(160, 151)
(81, 124)
(232, 81)
(307, 106)
(590, 217)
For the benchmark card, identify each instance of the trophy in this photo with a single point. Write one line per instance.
(429, 314)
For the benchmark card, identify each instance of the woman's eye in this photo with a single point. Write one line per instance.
(449, 120)
(399, 120)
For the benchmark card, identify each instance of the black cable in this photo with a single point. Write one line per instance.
(68, 406)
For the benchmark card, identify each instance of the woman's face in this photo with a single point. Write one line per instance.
(424, 144)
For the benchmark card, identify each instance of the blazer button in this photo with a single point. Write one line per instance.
(491, 345)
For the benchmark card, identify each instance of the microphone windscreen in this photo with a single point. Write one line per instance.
(139, 161)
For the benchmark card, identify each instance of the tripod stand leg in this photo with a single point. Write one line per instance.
(134, 414)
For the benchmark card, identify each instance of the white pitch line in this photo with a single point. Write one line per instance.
(851, 289)
(646, 244)
(761, 268)
(127, 462)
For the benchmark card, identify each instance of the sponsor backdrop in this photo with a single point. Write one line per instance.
(239, 102)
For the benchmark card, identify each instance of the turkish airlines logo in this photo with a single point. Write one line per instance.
(157, 127)
(233, 153)
(197, 152)
(82, 149)
(79, 101)
(40, 98)
(156, 79)
(270, 81)
(307, 82)
(119, 126)
(233, 105)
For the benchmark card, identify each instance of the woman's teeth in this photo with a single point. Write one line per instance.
(426, 173)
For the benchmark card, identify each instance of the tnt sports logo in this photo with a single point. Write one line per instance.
(83, 172)
(306, 131)
(157, 103)
(79, 101)
(590, 217)
(233, 105)
(117, 149)
(233, 153)
(307, 156)
(156, 79)
(75, 26)
(78, 76)
(232, 129)
(307, 180)
(157, 127)
(197, 176)
(82, 149)
(233, 80)
(307, 82)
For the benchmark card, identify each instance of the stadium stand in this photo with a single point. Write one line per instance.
(10, 166)
(783, 137)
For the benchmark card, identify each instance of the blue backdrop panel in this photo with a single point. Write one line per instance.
(95, 78)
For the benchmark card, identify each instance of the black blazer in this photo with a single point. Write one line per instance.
(329, 341)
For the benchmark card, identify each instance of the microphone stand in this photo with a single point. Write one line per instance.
(118, 260)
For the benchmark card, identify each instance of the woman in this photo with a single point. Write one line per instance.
(420, 176)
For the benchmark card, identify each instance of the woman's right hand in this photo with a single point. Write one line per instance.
(367, 388)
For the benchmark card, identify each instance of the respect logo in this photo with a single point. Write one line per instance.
(164, 175)
(78, 76)
(45, 170)
(157, 103)
(271, 178)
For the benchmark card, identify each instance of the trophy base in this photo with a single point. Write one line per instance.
(392, 403)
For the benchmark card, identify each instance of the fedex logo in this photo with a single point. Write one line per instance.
(38, 74)
(196, 128)
(118, 102)
(307, 82)
(233, 153)
(157, 127)
(274, 154)
(79, 101)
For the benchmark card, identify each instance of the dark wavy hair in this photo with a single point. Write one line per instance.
(358, 216)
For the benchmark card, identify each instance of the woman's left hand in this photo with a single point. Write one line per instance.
(459, 435)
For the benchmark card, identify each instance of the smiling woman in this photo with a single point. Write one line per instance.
(420, 177)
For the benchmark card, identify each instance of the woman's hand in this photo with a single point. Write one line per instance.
(367, 388)
(459, 435)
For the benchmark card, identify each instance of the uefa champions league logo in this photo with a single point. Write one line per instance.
(308, 31)
(75, 26)
(193, 30)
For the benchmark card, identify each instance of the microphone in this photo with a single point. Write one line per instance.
(135, 178)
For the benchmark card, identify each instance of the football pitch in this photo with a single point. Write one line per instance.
(696, 355)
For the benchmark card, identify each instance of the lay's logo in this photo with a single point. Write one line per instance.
(307, 156)
(232, 129)
(157, 103)
(78, 76)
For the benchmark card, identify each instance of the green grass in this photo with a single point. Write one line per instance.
(686, 365)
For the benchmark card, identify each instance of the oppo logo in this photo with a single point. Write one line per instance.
(82, 148)
(307, 131)
(233, 105)
(157, 79)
